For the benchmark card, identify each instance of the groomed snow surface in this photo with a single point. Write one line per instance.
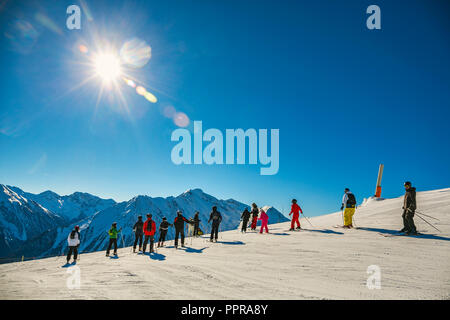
(317, 263)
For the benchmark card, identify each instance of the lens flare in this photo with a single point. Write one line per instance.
(83, 48)
(140, 90)
(169, 112)
(150, 97)
(130, 82)
(135, 53)
(181, 119)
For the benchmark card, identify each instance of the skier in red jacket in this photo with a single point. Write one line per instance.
(149, 231)
(295, 210)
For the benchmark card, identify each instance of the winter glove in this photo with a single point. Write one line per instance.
(342, 207)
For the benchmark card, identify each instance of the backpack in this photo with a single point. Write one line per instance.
(149, 225)
(72, 234)
(351, 201)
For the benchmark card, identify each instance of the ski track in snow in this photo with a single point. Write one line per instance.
(316, 263)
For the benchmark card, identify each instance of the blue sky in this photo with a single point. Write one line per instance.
(345, 98)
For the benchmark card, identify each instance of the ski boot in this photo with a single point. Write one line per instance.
(134, 250)
(298, 228)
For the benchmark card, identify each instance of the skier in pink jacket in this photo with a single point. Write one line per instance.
(264, 221)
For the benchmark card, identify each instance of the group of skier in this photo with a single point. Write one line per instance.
(145, 231)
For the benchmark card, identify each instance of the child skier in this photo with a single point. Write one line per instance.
(295, 211)
(255, 212)
(163, 227)
(264, 221)
(196, 223)
(113, 232)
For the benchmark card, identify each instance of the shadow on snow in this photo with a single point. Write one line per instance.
(395, 232)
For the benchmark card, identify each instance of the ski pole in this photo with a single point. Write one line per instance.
(426, 221)
(418, 212)
(307, 220)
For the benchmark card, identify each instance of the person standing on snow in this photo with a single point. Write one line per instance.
(409, 208)
(264, 221)
(73, 241)
(295, 210)
(349, 203)
(149, 231)
(216, 219)
(138, 229)
(163, 227)
(179, 228)
(245, 217)
(196, 223)
(113, 232)
(255, 213)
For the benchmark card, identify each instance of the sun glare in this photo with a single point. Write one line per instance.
(107, 66)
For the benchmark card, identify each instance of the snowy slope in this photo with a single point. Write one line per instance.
(320, 262)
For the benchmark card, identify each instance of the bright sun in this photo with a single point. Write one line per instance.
(107, 66)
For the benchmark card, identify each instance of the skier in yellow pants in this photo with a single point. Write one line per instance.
(349, 203)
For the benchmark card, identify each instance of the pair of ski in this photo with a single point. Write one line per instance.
(389, 235)
(342, 227)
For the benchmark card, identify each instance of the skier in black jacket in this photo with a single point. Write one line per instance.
(138, 229)
(163, 227)
(245, 217)
(216, 218)
(179, 227)
(409, 208)
(196, 223)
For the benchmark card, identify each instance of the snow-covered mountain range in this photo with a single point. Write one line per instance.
(37, 225)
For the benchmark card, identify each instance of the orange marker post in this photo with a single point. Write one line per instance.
(380, 175)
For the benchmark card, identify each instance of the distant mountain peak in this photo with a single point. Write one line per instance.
(49, 193)
(193, 191)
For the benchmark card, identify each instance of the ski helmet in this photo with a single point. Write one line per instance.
(347, 189)
(149, 215)
(254, 205)
(140, 217)
(294, 200)
(214, 208)
(77, 227)
(114, 224)
(407, 183)
(164, 218)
